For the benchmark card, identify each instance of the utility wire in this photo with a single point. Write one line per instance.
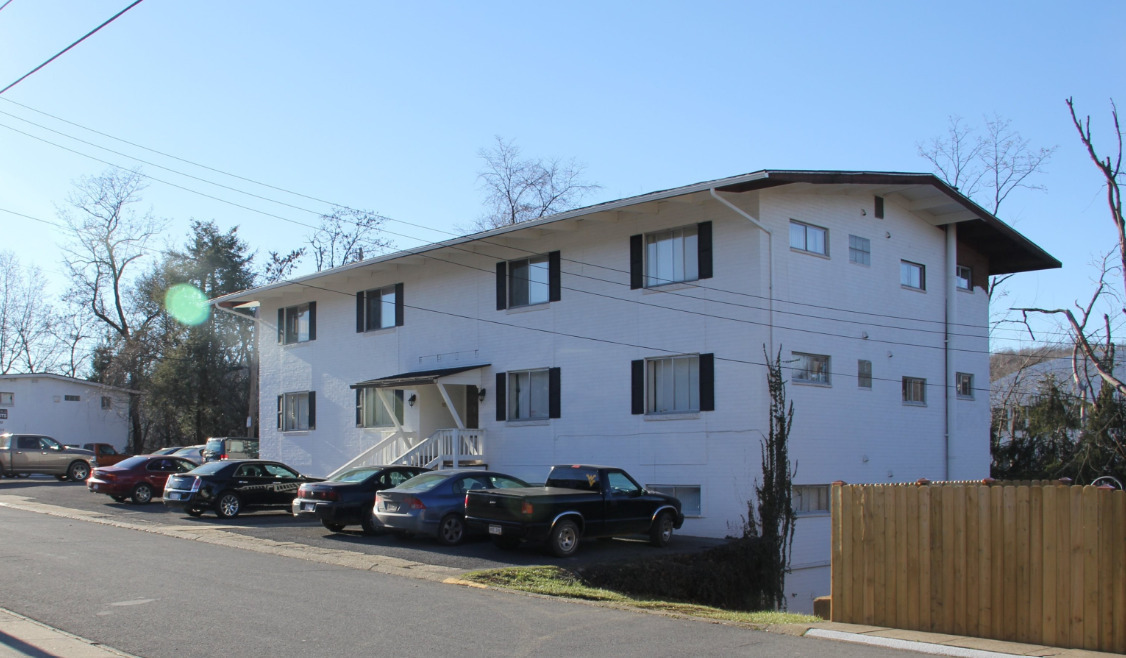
(64, 50)
(5, 5)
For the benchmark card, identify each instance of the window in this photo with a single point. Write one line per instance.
(811, 368)
(380, 308)
(879, 207)
(688, 495)
(914, 390)
(72, 398)
(7, 399)
(965, 385)
(963, 278)
(806, 237)
(297, 324)
(859, 250)
(370, 410)
(528, 394)
(912, 275)
(297, 411)
(672, 256)
(864, 373)
(107, 402)
(673, 385)
(811, 499)
(529, 281)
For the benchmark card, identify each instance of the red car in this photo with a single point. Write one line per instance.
(140, 478)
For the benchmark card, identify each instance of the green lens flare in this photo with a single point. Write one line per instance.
(187, 304)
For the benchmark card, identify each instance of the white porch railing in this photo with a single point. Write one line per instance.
(454, 446)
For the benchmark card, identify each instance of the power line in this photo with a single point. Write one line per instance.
(5, 5)
(64, 50)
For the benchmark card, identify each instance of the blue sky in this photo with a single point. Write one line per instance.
(384, 106)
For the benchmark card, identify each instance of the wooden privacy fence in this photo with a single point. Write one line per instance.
(1035, 562)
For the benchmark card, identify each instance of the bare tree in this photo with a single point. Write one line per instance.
(345, 236)
(279, 267)
(107, 243)
(25, 319)
(519, 190)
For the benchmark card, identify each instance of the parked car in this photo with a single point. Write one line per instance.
(25, 454)
(434, 503)
(221, 447)
(229, 487)
(346, 498)
(576, 502)
(166, 451)
(192, 453)
(140, 478)
(105, 453)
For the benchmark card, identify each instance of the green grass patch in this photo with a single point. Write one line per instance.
(555, 581)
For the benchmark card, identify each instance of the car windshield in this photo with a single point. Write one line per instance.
(354, 475)
(131, 462)
(215, 445)
(424, 482)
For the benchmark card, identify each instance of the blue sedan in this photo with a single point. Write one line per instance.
(434, 503)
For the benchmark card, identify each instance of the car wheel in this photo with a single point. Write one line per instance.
(564, 539)
(78, 471)
(142, 494)
(119, 499)
(195, 512)
(370, 525)
(661, 532)
(451, 530)
(506, 543)
(228, 505)
(335, 527)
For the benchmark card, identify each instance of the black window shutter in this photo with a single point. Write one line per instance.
(312, 410)
(280, 406)
(499, 397)
(312, 320)
(879, 207)
(704, 249)
(554, 399)
(637, 387)
(359, 407)
(399, 305)
(636, 261)
(281, 325)
(502, 286)
(707, 382)
(360, 312)
(554, 286)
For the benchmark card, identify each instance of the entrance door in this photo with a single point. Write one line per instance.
(471, 403)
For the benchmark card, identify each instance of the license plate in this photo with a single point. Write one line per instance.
(174, 496)
(308, 507)
(495, 530)
(94, 487)
(390, 507)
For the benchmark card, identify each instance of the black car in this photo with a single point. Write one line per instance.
(231, 486)
(347, 498)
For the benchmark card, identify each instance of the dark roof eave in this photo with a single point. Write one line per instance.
(416, 378)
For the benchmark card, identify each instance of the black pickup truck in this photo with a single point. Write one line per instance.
(576, 502)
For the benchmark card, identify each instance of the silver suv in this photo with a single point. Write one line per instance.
(24, 454)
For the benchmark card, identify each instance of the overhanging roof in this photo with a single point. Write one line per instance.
(417, 378)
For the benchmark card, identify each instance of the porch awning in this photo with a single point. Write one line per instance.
(416, 378)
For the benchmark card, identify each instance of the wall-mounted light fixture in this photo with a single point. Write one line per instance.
(481, 395)
(411, 400)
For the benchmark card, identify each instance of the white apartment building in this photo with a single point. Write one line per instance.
(635, 333)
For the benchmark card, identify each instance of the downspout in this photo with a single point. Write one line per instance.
(951, 293)
(769, 264)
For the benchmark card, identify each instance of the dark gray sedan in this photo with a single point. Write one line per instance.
(434, 503)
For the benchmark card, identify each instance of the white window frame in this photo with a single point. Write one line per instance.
(812, 369)
(678, 395)
(811, 499)
(537, 280)
(672, 256)
(864, 374)
(295, 412)
(963, 277)
(382, 301)
(374, 414)
(859, 250)
(297, 324)
(906, 280)
(915, 391)
(677, 490)
(529, 394)
(799, 238)
(964, 385)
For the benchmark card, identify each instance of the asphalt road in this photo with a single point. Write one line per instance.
(155, 596)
